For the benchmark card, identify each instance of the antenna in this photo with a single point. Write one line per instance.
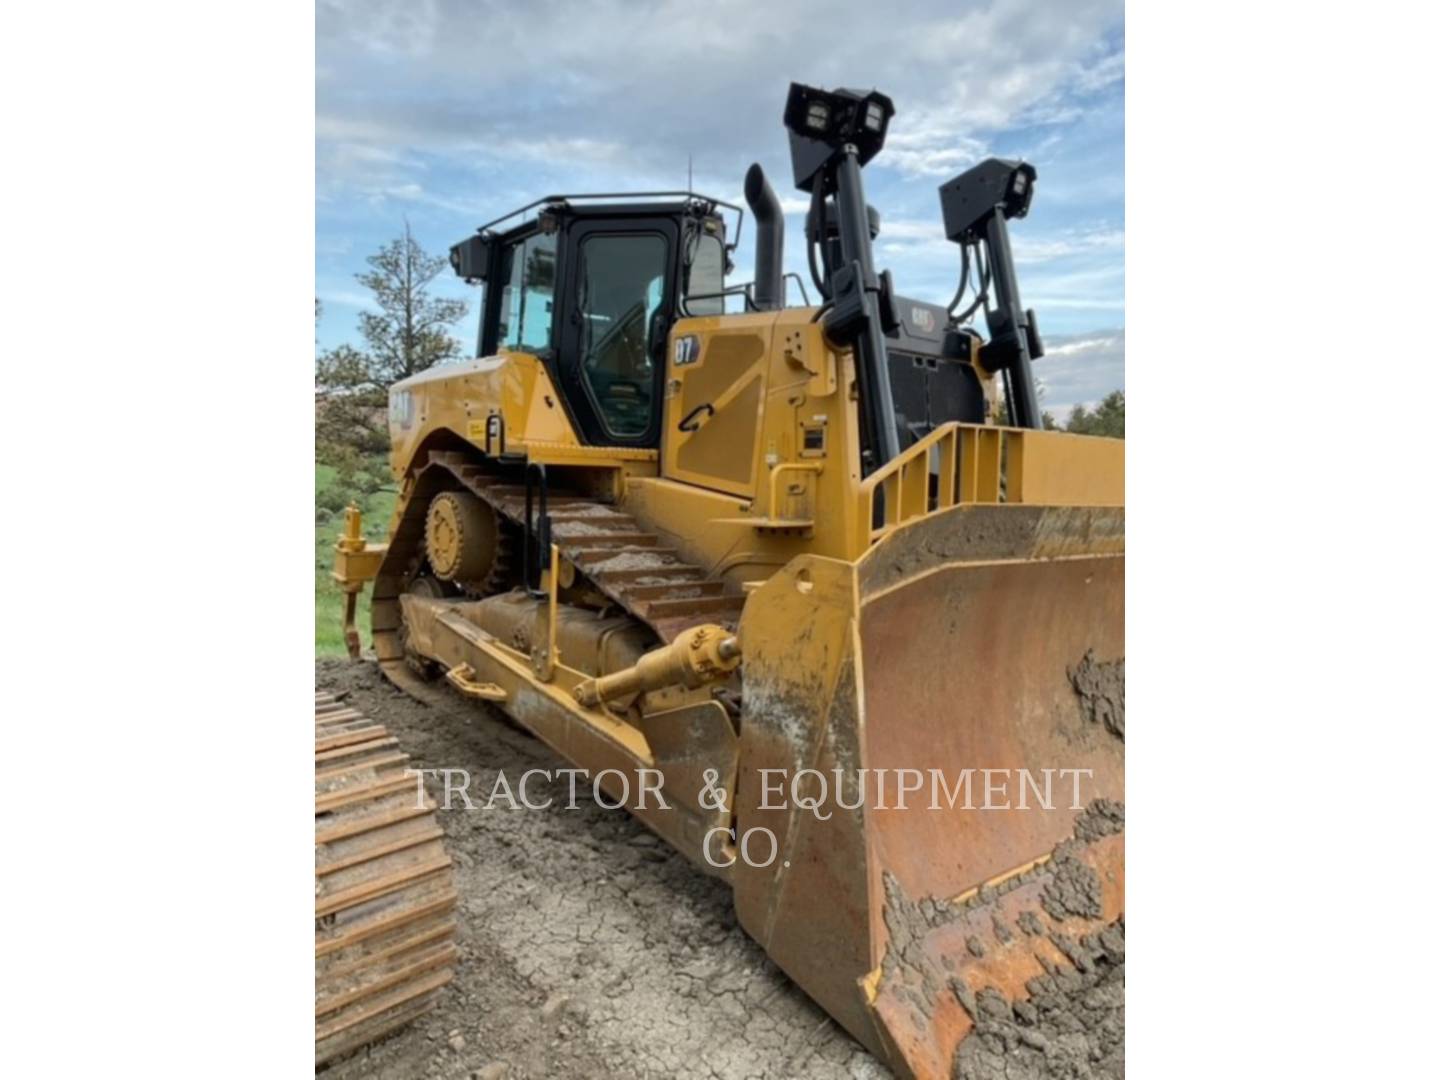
(689, 172)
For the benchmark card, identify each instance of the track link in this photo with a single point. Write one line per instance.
(384, 892)
(625, 561)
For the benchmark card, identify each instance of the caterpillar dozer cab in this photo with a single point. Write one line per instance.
(818, 568)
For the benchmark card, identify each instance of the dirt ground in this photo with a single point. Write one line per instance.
(587, 947)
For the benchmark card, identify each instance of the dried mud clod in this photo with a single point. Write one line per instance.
(569, 530)
(1073, 887)
(1099, 819)
(1101, 687)
(1072, 1025)
(907, 965)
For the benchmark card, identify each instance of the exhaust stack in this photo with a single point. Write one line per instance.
(769, 240)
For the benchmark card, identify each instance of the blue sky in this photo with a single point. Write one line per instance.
(451, 112)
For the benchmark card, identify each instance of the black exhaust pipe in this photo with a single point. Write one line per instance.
(769, 240)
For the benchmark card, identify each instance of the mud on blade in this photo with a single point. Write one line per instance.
(975, 662)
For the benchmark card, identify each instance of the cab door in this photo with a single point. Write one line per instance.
(715, 403)
(620, 290)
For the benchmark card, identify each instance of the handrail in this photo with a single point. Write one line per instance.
(904, 484)
(549, 200)
(787, 466)
(969, 471)
(987, 464)
(895, 464)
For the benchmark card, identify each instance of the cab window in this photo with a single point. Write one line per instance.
(528, 300)
(621, 284)
(705, 276)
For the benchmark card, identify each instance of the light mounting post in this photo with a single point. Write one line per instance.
(832, 135)
(977, 204)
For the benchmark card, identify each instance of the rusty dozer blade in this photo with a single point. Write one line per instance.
(955, 703)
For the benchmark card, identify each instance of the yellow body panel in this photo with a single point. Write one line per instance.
(771, 377)
(771, 469)
(1056, 469)
(465, 399)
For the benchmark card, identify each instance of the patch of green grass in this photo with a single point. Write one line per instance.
(332, 495)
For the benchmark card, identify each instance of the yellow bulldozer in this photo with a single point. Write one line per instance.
(815, 572)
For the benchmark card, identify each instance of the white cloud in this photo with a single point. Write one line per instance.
(1032, 249)
(384, 29)
(930, 149)
(909, 238)
(451, 112)
(1080, 369)
(1104, 72)
(898, 231)
(642, 86)
(1084, 303)
(342, 297)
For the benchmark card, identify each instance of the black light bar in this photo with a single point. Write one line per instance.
(968, 200)
(823, 122)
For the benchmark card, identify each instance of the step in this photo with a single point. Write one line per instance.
(608, 523)
(699, 605)
(555, 498)
(604, 539)
(672, 627)
(674, 590)
(677, 574)
(656, 558)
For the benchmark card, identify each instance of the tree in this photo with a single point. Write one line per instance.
(1107, 419)
(411, 331)
(350, 408)
(409, 334)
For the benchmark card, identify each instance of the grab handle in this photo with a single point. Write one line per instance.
(689, 422)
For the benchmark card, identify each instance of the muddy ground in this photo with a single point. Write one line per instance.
(587, 947)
